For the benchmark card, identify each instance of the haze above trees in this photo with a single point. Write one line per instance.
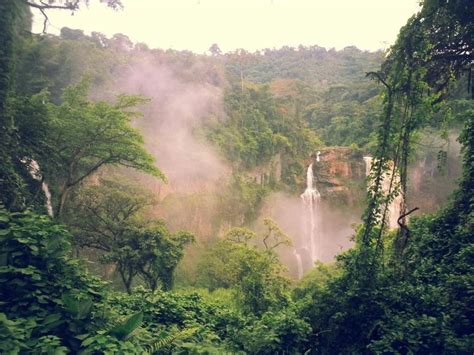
(110, 272)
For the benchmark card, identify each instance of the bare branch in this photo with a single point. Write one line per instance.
(46, 20)
(43, 6)
(377, 75)
(403, 216)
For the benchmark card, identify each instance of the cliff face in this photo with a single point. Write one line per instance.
(343, 161)
(340, 174)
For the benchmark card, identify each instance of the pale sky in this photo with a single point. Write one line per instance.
(250, 24)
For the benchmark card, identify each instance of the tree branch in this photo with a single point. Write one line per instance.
(43, 6)
(403, 216)
(90, 171)
(46, 20)
(73, 6)
(372, 74)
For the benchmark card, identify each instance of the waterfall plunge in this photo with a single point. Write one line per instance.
(311, 199)
(299, 264)
(309, 248)
(34, 170)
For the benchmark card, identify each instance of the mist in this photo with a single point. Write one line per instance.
(172, 119)
(336, 226)
(182, 105)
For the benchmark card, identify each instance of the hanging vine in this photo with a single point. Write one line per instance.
(433, 49)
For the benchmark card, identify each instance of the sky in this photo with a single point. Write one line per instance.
(250, 24)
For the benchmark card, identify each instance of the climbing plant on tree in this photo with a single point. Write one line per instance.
(432, 50)
(410, 300)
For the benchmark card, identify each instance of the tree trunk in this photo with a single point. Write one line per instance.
(167, 280)
(126, 279)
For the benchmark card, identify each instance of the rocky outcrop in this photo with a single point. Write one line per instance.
(338, 170)
(340, 176)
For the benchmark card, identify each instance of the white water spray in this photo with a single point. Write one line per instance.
(368, 165)
(47, 194)
(311, 199)
(35, 172)
(299, 264)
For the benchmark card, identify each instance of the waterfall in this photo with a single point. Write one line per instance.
(368, 165)
(311, 199)
(299, 264)
(394, 208)
(35, 172)
(47, 194)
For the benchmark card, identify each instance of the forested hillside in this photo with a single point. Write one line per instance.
(137, 186)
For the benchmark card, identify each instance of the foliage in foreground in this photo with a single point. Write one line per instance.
(110, 217)
(52, 305)
(421, 304)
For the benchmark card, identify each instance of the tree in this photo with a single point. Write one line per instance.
(111, 217)
(15, 26)
(215, 50)
(71, 5)
(255, 275)
(159, 253)
(274, 236)
(416, 296)
(150, 252)
(104, 216)
(100, 214)
(11, 180)
(260, 127)
(86, 135)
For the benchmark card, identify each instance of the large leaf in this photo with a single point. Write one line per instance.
(79, 309)
(52, 321)
(123, 331)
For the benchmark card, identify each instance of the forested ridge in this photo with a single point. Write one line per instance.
(95, 253)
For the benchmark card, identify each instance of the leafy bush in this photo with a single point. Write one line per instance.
(256, 276)
(275, 332)
(50, 304)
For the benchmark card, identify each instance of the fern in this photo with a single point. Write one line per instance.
(166, 340)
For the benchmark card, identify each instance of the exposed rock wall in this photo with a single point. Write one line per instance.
(340, 178)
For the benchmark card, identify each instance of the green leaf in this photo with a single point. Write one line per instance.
(80, 309)
(122, 331)
(50, 322)
(52, 318)
(88, 341)
(82, 336)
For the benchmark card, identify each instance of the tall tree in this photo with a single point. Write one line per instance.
(159, 253)
(15, 24)
(111, 217)
(417, 299)
(11, 182)
(86, 135)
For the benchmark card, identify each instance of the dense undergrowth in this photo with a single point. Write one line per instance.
(401, 291)
(53, 305)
